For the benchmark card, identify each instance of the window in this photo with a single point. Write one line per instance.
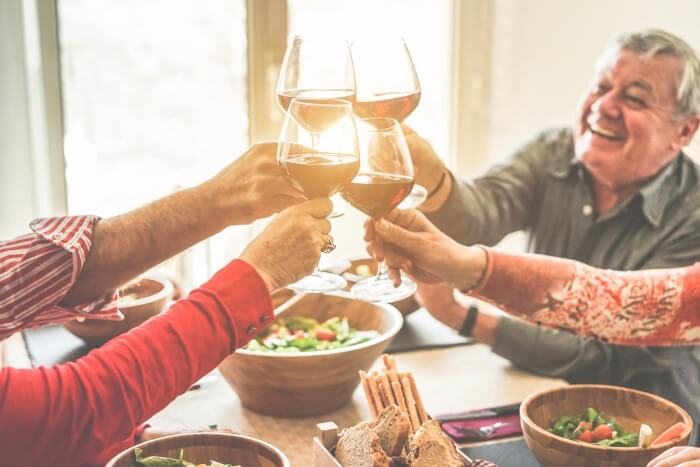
(154, 100)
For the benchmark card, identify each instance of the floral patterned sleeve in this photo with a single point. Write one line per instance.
(651, 307)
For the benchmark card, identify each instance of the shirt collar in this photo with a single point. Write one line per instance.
(655, 194)
(658, 192)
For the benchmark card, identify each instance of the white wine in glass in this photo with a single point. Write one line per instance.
(319, 163)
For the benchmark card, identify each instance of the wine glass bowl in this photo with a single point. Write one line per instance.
(318, 152)
(316, 69)
(386, 84)
(384, 180)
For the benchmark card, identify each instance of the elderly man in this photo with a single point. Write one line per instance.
(615, 191)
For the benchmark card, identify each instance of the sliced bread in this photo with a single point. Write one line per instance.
(359, 446)
(393, 427)
(430, 447)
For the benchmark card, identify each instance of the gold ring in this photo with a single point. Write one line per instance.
(329, 246)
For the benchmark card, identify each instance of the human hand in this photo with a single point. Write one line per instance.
(291, 244)
(439, 300)
(677, 456)
(409, 242)
(252, 187)
(428, 166)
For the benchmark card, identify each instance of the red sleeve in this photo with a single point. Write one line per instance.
(650, 307)
(38, 269)
(73, 414)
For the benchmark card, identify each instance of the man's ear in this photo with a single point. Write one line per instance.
(687, 130)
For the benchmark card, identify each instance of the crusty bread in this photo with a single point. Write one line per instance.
(393, 427)
(359, 446)
(430, 447)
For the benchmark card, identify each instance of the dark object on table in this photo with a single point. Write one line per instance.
(421, 331)
(489, 412)
(504, 454)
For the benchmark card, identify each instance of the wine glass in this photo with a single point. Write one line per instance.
(318, 152)
(386, 85)
(316, 68)
(384, 180)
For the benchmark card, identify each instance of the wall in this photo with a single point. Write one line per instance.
(543, 55)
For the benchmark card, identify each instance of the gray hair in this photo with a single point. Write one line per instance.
(652, 42)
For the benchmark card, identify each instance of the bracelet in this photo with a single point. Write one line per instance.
(438, 186)
(469, 321)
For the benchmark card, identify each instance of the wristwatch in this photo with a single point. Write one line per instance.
(469, 321)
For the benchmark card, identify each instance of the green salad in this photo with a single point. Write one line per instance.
(592, 427)
(302, 334)
(157, 461)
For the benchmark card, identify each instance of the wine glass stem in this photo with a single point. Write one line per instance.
(382, 273)
(314, 140)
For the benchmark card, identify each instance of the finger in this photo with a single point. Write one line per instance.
(395, 276)
(664, 455)
(369, 230)
(324, 226)
(375, 250)
(394, 234)
(407, 130)
(317, 207)
(680, 457)
(674, 457)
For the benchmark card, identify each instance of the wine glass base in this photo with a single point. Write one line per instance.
(383, 290)
(319, 282)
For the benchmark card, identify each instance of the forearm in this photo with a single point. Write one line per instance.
(652, 307)
(68, 414)
(127, 245)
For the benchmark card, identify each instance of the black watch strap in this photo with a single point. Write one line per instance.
(469, 321)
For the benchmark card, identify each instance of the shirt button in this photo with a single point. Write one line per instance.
(587, 210)
(264, 318)
(251, 329)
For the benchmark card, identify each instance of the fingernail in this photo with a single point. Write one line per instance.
(380, 225)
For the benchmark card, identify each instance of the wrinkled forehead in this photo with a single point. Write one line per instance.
(663, 70)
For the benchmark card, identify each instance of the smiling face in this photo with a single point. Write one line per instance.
(627, 128)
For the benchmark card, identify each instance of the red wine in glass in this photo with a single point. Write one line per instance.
(396, 105)
(377, 194)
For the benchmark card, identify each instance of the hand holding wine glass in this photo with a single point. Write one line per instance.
(384, 180)
(319, 163)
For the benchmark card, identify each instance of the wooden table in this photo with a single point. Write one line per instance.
(449, 379)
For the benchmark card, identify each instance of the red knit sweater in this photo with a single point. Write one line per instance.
(83, 413)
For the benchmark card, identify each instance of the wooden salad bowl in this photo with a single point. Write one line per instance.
(148, 296)
(202, 448)
(311, 383)
(630, 408)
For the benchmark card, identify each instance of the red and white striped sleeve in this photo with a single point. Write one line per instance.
(38, 269)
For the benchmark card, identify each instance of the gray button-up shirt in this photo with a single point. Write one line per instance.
(545, 191)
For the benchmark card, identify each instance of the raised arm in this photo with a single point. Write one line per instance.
(250, 188)
(650, 307)
(83, 413)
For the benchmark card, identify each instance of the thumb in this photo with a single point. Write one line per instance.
(392, 233)
(317, 207)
